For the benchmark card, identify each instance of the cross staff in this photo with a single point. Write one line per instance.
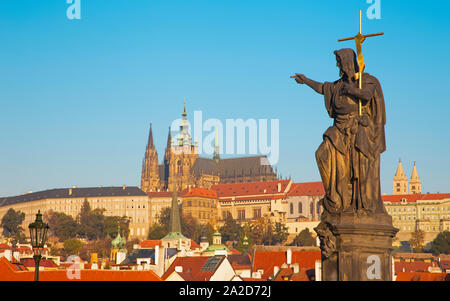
(359, 39)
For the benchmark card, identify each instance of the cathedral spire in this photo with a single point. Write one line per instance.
(400, 182)
(415, 185)
(169, 139)
(414, 175)
(184, 114)
(400, 174)
(216, 155)
(150, 138)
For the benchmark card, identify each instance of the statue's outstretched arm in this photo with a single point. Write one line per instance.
(316, 86)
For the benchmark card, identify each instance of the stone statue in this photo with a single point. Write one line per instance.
(349, 156)
(355, 231)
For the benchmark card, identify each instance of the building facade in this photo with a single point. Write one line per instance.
(201, 204)
(117, 201)
(410, 212)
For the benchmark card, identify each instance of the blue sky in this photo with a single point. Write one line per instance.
(77, 96)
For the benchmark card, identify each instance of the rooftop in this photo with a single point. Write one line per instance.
(68, 193)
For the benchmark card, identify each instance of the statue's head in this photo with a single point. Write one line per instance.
(347, 62)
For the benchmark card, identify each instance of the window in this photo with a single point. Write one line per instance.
(241, 214)
(257, 213)
(291, 206)
(311, 208)
(226, 214)
(300, 209)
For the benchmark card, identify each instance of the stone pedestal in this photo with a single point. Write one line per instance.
(356, 247)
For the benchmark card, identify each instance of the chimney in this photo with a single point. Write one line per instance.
(296, 268)
(16, 255)
(318, 270)
(124, 186)
(279, 187)
(275, 270)
(289, 256)
(179, 269)
(8, 255)
(70, 191)
(156, 255)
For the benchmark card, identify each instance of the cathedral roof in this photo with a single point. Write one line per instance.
(248, 166)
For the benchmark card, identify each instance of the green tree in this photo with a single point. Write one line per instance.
(61, 225)
(247, 231)
(304, 238)
(130, 244)
(190, 226)
(11, 223)
(164, 218)
(112, 223)
(417, 240)
(441, 244)
(280, 233)
(72, 246)
(231, 230)
(156, 231)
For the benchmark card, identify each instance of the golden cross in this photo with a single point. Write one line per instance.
(359, 39)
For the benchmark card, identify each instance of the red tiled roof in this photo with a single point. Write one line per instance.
(5, 247)
(412, 198)
(416, 266)
(191, 268)
(46, 263)
(445, 264)
(259, 197)
(150, 244)
(194, 245)
(240, 262)
(291, 276)
(418, 276)
(8, 272)
(234, 251)
(159, 194)
(311, 188)
(199, 192)
(250, 188)
(266, 260)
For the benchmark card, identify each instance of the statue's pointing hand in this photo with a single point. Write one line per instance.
(300, 78)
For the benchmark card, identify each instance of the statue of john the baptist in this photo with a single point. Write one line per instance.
(349, 156)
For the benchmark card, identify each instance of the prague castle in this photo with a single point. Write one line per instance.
(181, 158)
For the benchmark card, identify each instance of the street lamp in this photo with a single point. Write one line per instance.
(38, 234)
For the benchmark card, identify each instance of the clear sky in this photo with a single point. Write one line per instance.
(77, 96)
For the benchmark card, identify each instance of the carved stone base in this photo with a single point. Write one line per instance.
(356, 247)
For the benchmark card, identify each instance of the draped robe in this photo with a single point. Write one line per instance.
(349, 156)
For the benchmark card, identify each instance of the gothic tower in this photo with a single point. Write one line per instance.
(415, 185)
(150, 180)
(400, 182)
(180, 156)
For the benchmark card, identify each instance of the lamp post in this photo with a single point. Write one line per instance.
(38, 234)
